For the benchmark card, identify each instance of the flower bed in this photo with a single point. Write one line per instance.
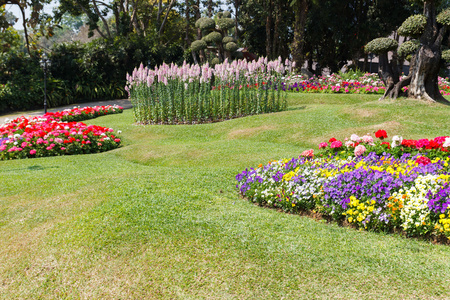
(49, 135)
(392, 190)
(335, 83)
(190, 94)
(80, 114)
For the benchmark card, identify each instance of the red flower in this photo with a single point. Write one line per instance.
(381, 134)
(332, 140)
(423, 160)
(387, 144)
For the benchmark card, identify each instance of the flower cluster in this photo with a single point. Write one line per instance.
(80, 114)
(45, 136)
(369, 83)
(191, 94)
(362, 145)
(376, 192)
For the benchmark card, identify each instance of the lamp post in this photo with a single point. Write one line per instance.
(45, 64)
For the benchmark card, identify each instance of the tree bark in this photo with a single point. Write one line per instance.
(301, 11)
(424, 75)
(427, 61)
(387, 75)
(269, 29)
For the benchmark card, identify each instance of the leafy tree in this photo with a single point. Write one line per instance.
(271, 22)
(216, 36)
(429, 28)
(37, 19)
(336, 31)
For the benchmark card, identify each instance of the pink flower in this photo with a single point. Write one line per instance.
(99, 144)
(359, 150)
(117, 140)
(39, 141)
(349, 144)
(336, 144)
(24, 144)
(63, 148)
(323, 145)
(422, 143)
(355, 138)
(2, 147)
(32, 151)
(59, 140)
(49, 148)
(367, 139)
(308, 153)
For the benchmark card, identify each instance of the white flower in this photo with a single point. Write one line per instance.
(446, 143)
(396, 141)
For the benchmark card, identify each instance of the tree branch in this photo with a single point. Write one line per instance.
(101, 17)
(161, 29)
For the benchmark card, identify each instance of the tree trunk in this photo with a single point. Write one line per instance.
(269, 29)
(427, 61)
(301, 10)
(424, 75)
(386, 74)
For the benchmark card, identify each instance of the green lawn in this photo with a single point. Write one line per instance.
(160, 218)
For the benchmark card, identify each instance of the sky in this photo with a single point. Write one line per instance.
(16, 11)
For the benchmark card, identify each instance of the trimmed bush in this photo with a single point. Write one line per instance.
(213, 37)
(198, 45)
(381, 45)
(228, 39)
(414, 26)
(225, 23)
(408, 48)
(231, 47)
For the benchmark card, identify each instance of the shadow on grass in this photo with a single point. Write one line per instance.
(33, 168)
(296, 108)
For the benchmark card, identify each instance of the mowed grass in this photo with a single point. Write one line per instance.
(160, 218)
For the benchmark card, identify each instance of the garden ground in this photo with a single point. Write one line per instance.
(160, 218)
(125, 103)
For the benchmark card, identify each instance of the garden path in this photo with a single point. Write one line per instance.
(125, 103)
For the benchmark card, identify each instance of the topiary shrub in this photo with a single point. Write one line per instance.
(198, 45)
(408, 48)
(414, 26)
(213, 37)
(207, 23)
(228, 39)
(231, 47)
(215, 61)
(381, 45)
(444, 17)
(198, 22)
(225, 23)
(226, 14)
(446, 55)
